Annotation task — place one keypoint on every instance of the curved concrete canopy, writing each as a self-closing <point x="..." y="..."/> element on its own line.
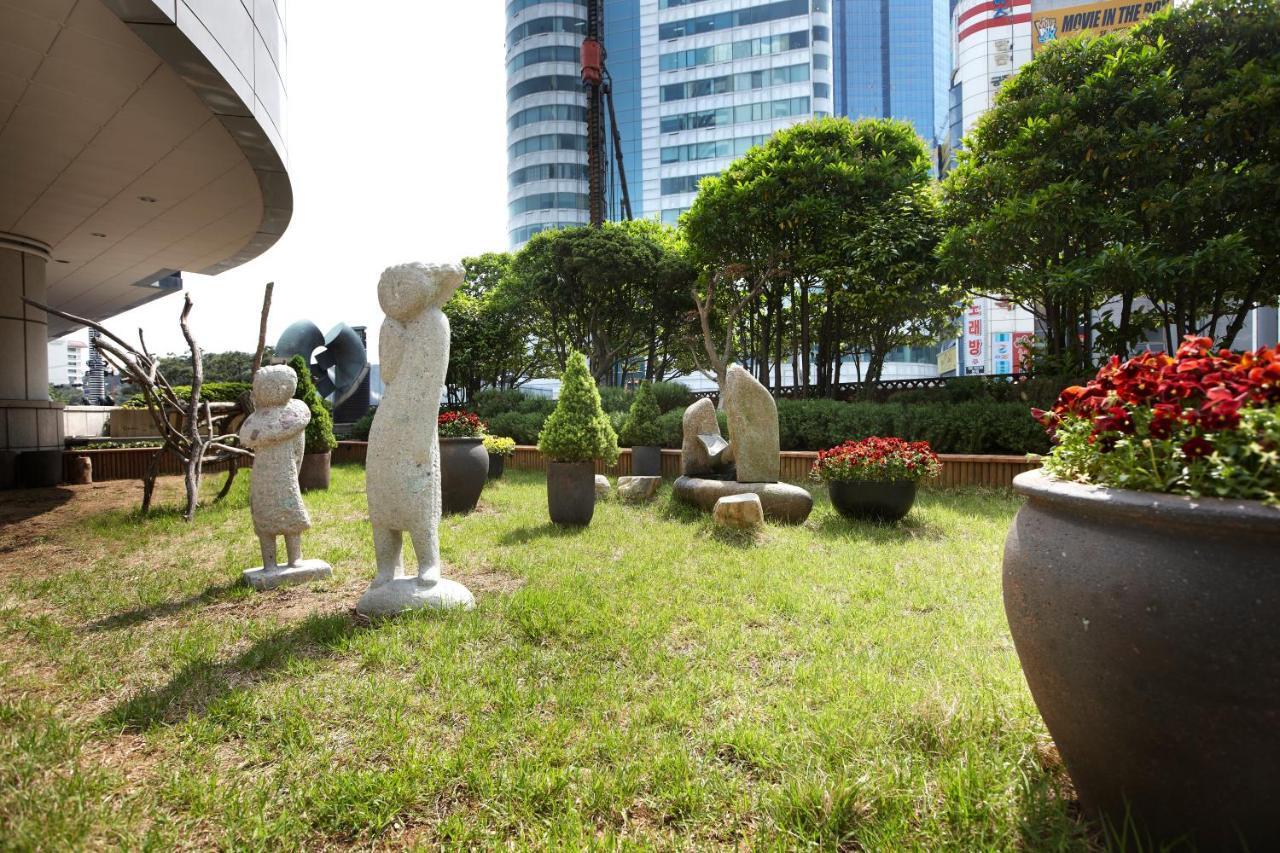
<point x="139" y="138"/>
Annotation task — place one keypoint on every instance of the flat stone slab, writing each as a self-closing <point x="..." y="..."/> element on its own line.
<point x="638" y="489"/>
<point x="307" y="570"/>
<point x="781" y="502"/>
<point x="602" y="487"/>
<point x="739" y="511"/>
<point x="400" y="595"/>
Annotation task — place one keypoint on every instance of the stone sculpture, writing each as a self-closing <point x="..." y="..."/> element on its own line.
<point x="276" y="433"/>
<point x="753" y="427"/>
<point x="403" y="462"/>
<point x="748" y="464"/>
<point x="638" y="489"/>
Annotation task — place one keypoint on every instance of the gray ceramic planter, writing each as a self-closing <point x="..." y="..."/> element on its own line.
<point x="314" y="471"/>
<point x="646" y="461"/>
<point x="1147" y="629"/>
<point x="571" y="492"/>
<point x="464" y="468"/>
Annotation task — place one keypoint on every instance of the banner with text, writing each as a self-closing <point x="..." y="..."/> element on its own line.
<point x="1060" y="19"/>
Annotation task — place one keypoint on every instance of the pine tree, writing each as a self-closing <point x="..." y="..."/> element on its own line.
<point x="640" y="429"/>
<point x="320" y="431"/>
<point x="578" y="430"/>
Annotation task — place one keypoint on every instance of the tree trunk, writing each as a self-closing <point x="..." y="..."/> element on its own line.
<point x="804" y="334"/>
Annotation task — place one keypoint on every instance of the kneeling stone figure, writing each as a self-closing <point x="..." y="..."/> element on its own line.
<point x="276" y="433"/>
<point x="402" y="467"/>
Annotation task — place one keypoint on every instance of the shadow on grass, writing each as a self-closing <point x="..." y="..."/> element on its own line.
<point x="912" y="527"/>
<point x="131" y="618"/>
<point x="525" y="535"/>
<point x="202" y="683"/>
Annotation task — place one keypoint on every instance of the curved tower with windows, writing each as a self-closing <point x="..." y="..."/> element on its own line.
<point x="546" y="117"/>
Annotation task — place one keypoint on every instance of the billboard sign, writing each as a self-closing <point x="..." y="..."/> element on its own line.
<point x="1060" y="19"/>
<point x="975" y="338"/>
<point x="948" y="360"/>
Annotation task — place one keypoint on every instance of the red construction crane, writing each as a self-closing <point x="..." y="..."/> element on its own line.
<point x="599" y="90"/>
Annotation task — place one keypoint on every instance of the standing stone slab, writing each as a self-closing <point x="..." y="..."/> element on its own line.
<point x="753" y="427"/>
<point x="402" y="476"/>
<point x="602" y="487"/>
<point x="699" y="419"/>
<point x="276" y="432"/>
<point x="742" y="512"/>
<point x="638" y="489"/>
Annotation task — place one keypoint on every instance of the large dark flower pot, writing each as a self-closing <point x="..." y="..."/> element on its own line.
<point x="873" y="500"/>
<point x="314" y="471"/>
<point x="497" y="463"/>
<point x="646" y="461"/>
<point x="464" y="467"/>
<point x="1147" y="629"/>
<point x="571" y="492"/>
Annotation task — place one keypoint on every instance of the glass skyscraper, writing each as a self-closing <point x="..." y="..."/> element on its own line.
<point x="698" y="82"/>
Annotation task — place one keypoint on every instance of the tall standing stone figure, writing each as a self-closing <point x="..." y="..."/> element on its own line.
<point x="403" y="462"/>
<point x="276" y="433"/>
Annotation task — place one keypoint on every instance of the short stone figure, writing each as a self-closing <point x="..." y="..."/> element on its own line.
<point x="276" y="433"/>
<point x="402" y="466"/>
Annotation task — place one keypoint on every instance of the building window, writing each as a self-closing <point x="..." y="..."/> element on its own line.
<point x="550" y="83"/>
<point x="728" y="20"/>
<point x="684" y="183"/>
<point x="671" y="216"/>
<point x="548" y="172"/>
<point x="548" y="142"/>
<point x="522" y="234"/>
<point x="541" y="26"/>
<point x="781" y="108"/>
<point x="822" y="90"/>
<point x="710" y="150"/>
<point x="548" y="201"/>
<point x="517" y="6"/>
<point x="763" y="46"/>
<point x="547" y="112"/>
<point x="821" y="33"/>
<point x="821" y="61"/>
<point x="546" y="53"/>
<point x="744" y="82"/>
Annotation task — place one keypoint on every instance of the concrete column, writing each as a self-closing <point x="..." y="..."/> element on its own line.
<point x="28" y="420"/>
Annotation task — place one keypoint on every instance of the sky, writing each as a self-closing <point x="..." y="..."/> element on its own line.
<point x="396" y="132"/>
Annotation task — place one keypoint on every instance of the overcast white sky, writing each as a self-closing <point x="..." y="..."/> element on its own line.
<point x="397" y="147"/>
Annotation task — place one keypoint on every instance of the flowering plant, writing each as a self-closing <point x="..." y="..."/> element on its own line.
<point x="876" y="458"/>
<point x="460" y="425"/>
<point x="1196" y="423"/>
<point x="499" y="445"/>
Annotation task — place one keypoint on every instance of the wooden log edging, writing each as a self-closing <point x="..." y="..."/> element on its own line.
<point x="958" y="469"/>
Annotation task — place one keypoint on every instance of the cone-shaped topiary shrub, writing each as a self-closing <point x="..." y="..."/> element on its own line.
<point x="641" y="429"/>
<point x="578" y="430"/>
<point x="320" y="431"/>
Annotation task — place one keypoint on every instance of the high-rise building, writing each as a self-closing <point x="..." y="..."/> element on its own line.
<point x="698" y="82"/>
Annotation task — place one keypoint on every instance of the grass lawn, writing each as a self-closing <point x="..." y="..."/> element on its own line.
<point x="646" y="681"/>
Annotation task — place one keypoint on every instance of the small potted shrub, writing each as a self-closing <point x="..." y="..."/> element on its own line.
<point x="1141" y="579"/>
<point x="575" y="435"/>
<point x="464" y="462"/>
<point x="641" y="433"/>
<point x="499" y="448"/>
<point x="875" y="478"/>
<point x="320" y="442"/>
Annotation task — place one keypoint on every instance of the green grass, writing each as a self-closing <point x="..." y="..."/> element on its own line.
<point x="644" y="682"/>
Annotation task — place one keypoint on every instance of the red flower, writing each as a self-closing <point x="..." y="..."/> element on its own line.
<point x="1197" y="448"/>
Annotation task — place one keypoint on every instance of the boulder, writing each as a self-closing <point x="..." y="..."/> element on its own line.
<point x="602" y="487"/>
<point x="782" y="502"/>
<point x="753" y="427"/>
<point x="742" y="512"/>
<point x="638" y="489"/>
<point x="699" y="419"/>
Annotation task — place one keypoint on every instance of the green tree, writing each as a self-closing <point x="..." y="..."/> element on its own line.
<point x="230" y="366"/>
<point x="490" y="345"/>
<point x="1135" y="174"/>
<point x="641" y="429"/>
<point x="608" y="292"/>
<point x="578" y="430"/>
<point x="320" y="438"/>
<point x="819" y="242"/>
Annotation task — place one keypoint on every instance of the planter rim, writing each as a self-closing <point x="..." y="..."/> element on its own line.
<point x="899" y="481"/>
<point x="461" y="437"/>
<point x="1150" y="508"/>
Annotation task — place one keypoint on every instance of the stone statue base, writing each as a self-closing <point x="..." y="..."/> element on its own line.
<point x="306" y="570"/>
<point x="780" y="501"/>
<point x="410" y="593"/>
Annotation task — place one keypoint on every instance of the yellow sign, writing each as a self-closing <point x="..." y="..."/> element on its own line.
<point x="1053" y="21"/>
<point x="947" y="360"/>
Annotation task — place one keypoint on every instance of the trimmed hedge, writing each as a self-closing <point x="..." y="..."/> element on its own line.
<point x="214" y="392"/>
<point x="976" y="426"/>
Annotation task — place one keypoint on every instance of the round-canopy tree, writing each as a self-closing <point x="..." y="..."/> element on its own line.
<point x="830" y="227"/>
<point x="1135" y="174"/>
